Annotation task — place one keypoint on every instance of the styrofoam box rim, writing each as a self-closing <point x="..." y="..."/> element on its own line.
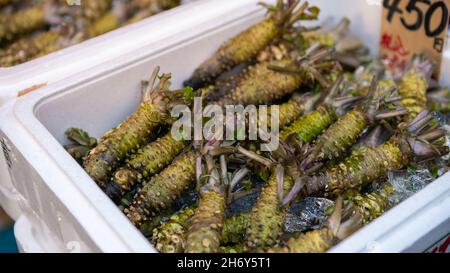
<point x="65" y="62"/>
<point x="88" y="203"/>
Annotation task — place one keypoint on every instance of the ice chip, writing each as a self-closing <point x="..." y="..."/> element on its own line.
<point x="408" y="182"/>
<point x="309" y="213"/>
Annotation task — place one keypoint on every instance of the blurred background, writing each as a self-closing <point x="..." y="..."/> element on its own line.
<point x="7" y="240"/>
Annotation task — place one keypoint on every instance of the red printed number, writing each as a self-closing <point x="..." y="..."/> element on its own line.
<point x="443" y="248"/>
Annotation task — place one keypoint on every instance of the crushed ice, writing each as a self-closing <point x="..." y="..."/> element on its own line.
<point x="408" y="182"/>
<point x="309" y="213"/>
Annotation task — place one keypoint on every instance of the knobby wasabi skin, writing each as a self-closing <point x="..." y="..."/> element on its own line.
<point x="413" y="87"/>
<point x="246" y="45"/>
<point x="169" y="237"/>
<point x="161" y="191"/>
<point x="341" y="135"/>
<point x="124" y="139"/>
<point x="309" y="126"/>
<point x="204" y="232"/>
<point x="261" y="85"/>
<point x="291" y="110"/>
<point x="373" y="204"/>
<point x="233" y="230"/>
<point x="148" y="161"/>
<point x="258" y="84"/>
<point x="367" y="164"/>
<point x="306" y="128"/>
<point x="316" y="241"/>
<point x="362" y="167"/>
<point x="265" y="225"/>
<point x="231" y="249"/>
<point x="223" y="86"/>
<point x="120" y="142"/>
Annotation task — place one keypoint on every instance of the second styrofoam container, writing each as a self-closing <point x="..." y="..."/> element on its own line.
<point x="61" y="206"/>
<point x="69" y="61"/>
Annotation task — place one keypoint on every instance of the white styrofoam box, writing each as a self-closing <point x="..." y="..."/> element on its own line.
<point x="64" y="206"/>
<point x="30" y="240"/>
<point x="7" y="191"/>
<point x="68" y="61"/>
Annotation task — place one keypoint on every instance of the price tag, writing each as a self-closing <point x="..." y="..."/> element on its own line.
<point x="413" y="27"/>
<point x="443" y="246"/>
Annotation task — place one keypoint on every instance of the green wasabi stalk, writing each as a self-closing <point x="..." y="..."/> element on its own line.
<point x="341" y="135"/>
<point x="291" y="110"/>
<point x="373" y="204"/>
<point x="246" y="45"/>
<point x="139" y="16"/>
<point x="413" y="87"/>
<point x="316" y="241"/>
<point x="367" y="164"/>
<point x="237" y="248"/>
<point x="222" y="87"/>
<point x="233" y="231"/>
<point x="311" y="125"/>
<point x="148" y="161"/>
<point x="265" y="226"/>
<point x="163" y="189"/>
<point x="262" y="85"/>
<point x="169" y="236"/>
<point x="362" y="167"/>
<point x="204" y="232"/>
<point x="119" y="143"/>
